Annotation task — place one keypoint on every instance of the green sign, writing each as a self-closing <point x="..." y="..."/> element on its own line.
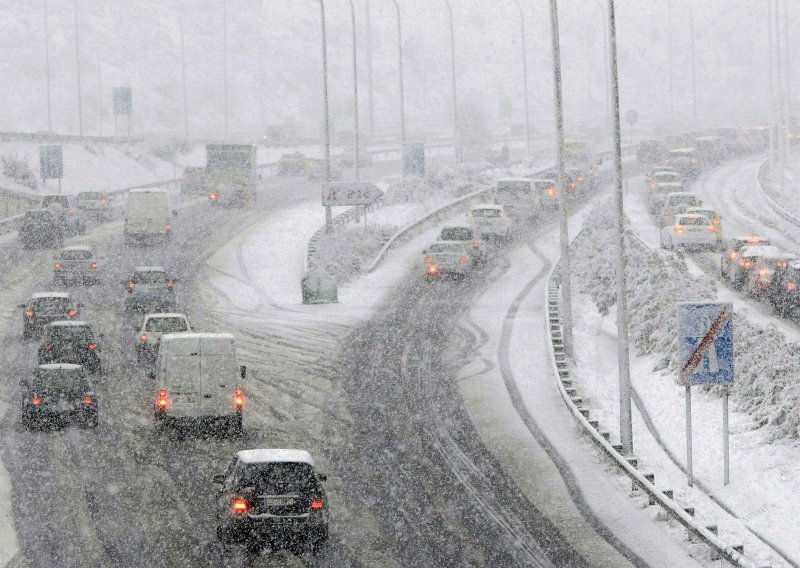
<point x="319" y="287"/>
<point x="51" y="160"/>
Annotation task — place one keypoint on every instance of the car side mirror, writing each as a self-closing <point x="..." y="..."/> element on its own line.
<point x="219" y="478"/>
<point x="174" y="212"/>
<point x="243" y="371"/>
<point x="322" y="477"/>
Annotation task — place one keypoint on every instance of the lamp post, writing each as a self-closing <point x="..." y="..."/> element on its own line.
<point x="609" y="123"/>
<point x="47" y="67"/>
<point x="326" y="117"/>
<point x="400" y="73"/>
<point x="355" y="89"/>
<point x="525" y="79"/>
<point x="78" y="69"/>
<point x="456" y="147"/>
<point x="369" y="69"/>
<point x="566" y="289"/>
<point x="623" y="352"/>
<point x="694" y="68"/>
<point x="183" y="71"/>
<point x="225" y="62"/>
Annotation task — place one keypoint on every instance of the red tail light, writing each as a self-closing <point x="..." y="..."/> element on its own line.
<point x="428" y="260"/>
<point x="790" y="286"/>
<point x="170" y="285"/>
<point x="573" y="185"/>
<point x="48" y="347"/>
<point x="73" y="312"/>
<point x="475" y="243"/>
<point x="240" y="505"/>
<point x="131" y="286"/>
<point x="715" y="220"/>
<point x="93" y="347"/>
<point x="433" y="270"/>
<point x="317" y="504"/>
<point x="143" y="337"/>
<point x="745" y="263"/>
<point x="30" y="313"/>
<point x="88" y="400"/>
<point x="781" y="264"/>
<point x="94" y="266"/>
<point x="57" y="266"/>
<point x="168" y="227"/>
<point x="36" y="401"/>
<point x="551" y="191"/>
<point x="733" y="255"/>
<point x="238" y="399"/>
<point x="712" y="229"/>
<point x="678" y="229"/>
<point x="212" y="196"/>
<point x="653" y="185"/>
<point x="502" y="214"/>
<point x="463" y="260"/>
<point x="762" y="272"/>
<point x="163" y="401"/>
<point x="104" y="201"/>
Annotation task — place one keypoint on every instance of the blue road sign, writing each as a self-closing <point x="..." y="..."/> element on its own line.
<point x="51" y="161"/>
<point x="705" y="343"/>
<point x="122" y="100"/>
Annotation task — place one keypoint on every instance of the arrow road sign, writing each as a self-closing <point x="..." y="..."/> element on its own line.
<point x="705" y="343"/>
<point x="350" y="193"/>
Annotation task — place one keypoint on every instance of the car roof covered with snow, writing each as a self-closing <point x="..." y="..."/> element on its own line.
<point x="38" y="295"/>
<point x="69" y="323"/>
<point x="78" y="247"/>
<point x="275" y="456"/>
<point x="760" y="250"/>
<point x="495" y="206"/>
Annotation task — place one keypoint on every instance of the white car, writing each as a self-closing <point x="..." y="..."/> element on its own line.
<point x="490" y="221"/>
<point x="676" y="203"/>
<point x="658" y="194"/>
<point x="687" y="230"/>
<point x="449" y="257"/>
<point x="711" y="214"/>
<point x="153" y="327"/>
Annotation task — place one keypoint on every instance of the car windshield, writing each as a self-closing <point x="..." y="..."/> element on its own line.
<point x="75" y="255"/>
<point x="59" y="380"/>
<point x="90" y="195"/>
<point x="456" y="234"/>
<point x="69" y="334"/>
<point x="486" y="213"/>
<point x="675" y="200"/>
<point x="278" y="477"/>
<point x="149" y="277"/>
<point x="50" y="305"/>
<point x="54" y="200"/>
<point x="166" y="325"/>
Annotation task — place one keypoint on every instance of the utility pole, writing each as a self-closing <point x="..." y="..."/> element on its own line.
<point x="566" y="289"/>
<point x="785" y="85"/>
<point x="47" y="67"/>
<point x="355" y="90"/>
<point x="771" y="68"/>
<point x="623" y="349"/>
<point x="669" y="56"/>
<point x="78" y="69"/>
<point x="694" y="69"/>
<point x="525" y="80"/>
<point x="610" y="126"/>
<point x="369" y="70"/>
<point x="400" y="73"/>
<point x="779" y="101"/>
<point x="183" y="71"/>
<point x="456" y="142"/>
<point x="99" y="97"/>
<point x="325" y="112"/>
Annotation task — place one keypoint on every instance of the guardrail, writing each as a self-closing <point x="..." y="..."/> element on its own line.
<point x="685" y="515"/>
<point x="780" y="211"/>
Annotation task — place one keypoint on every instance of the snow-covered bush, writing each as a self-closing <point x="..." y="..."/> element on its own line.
<point x="343" y="252"/>
<point x="19" y="170"/>
<point x="767" y="366"/>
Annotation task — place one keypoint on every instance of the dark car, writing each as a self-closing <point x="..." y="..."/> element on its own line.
<point x="70" y="218"/>
<point x="95" y="205"/>
<point x="463" y="233"/>
<point x="729" y="262"/>
<point x="71" y="342"/>
<point x="272" y="498"/>
<point x="193" y="181"/>
<point x="150" y="289"/>
<point x="784" y="294"/>
<point x="41" y="228"/>
<point x="58" y="393"/>
<point x="651" y="152"/>
<point x="43" y="308"/>
<point x="76" y="265"/>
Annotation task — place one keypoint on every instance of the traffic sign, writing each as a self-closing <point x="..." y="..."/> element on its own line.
<point x="122" y="100"/>
<point x="631" y="116"/>
<point x="350" y="193"/>
<point x="705" y="343"/>
<point x="51" y="161"/>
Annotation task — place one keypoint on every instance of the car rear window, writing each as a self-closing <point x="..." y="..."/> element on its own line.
<point x="76" y="254"/>
<point x="166" y="325"/>
<point x="50" y="305"/>
<point x="278" y="478"/>
<point x="486" y="213"/>
<point x="54" y="200"/>
<point x="682" y="200"/>
<point x="72" y="333"/>
<point x="38" y="216"/>
<point x="446" y="247"/>
<point x="456" y="234"/>
<point x="694" y="221"/>
<point x="64" y="380"/>
<point x="90" y="195"/>
<point x="149" y="277"/>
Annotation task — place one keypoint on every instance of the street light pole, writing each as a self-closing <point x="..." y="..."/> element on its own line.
<point x="225" y="62"/>
<point x="400" y="72"/>
<point x="525" y="79"/>
<point x="669" y="56"/>
<point x="609" y="124"/>
<point x="623" y="350"/>
<point x="456" y="146"/>
<point x="326" y="117"/>
<point x="771" y="67"/>
<point x="369" y="70"/>
<point x="566" y="289"/>
<point x="47" y="67"/>
<point x="183" y="72"/>
<point x="694" y="69"/>
<point x="78" y="68"/>
<point x="355" y="89"/>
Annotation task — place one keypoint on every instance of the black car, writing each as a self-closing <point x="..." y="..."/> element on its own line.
<point x="58" y="393"/>
<point x="784" y="292"/>
<point x="71" y="342"/>
<point x="43" y="308"/>
<point x="69" y="217"/>
<point x="272" y="498"/>
<point x="41" y="228"/>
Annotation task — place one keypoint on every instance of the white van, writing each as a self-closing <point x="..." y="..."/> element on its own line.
<point x="148" y="216"/>
<point x="196" y="377"/>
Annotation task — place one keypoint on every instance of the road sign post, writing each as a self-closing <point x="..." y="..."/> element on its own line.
<point x="705" y="357"/>
<point x="122" y="105"/>
<point x="51" y="162"/>
<point x="345" y="193"/>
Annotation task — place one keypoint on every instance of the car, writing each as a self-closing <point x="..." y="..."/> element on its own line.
<point x="571" y="176"/>
<point x="449" y="257"/>
<point x="76" y="265"/>
<point x="546" y="193"/>
<point x="71" y="342"/>
<point x="316" y="170"/>
<point x="230" y="195"/>
<point x="148" y="217"/>
<point x="659" y="169"/>
<point x="95" y="205"/>
<point x="464" y="234"/>
<point x="150" y="289"/>
<point x="41" y="228"/>
<point x="686" y="231"/>
<point x="686" y="161"/>
<point x="675" y="203"/>
<point x="651" y="151"/>
<point x="517" y="196"/>
<point x="665" y="177"/>
<point x="275" y="498"/>
<point x="345" y="159"/>
<point x="730" y="257"/>
<point x="152" y="328"/>
<point x="489" y="220"/>
<point x="294" y="164"/>
<point x="43" y="308"/>
<point x="747" y="260"/>
<point x="193" y="180"/>
<point x="759" y="281"/>
<point x="658" y="194"/>
<point x="711" y="214"/>
<point x="784" y="294"/>
<point x="69" y="217"/>
<point x="56" y="393"/>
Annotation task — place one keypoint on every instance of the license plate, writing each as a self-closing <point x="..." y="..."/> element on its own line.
<point x="64" y="406"/>
<point x="279" y="501"/>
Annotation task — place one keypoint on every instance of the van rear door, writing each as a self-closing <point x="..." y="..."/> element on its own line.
<point x="183" y="377"/>
<point x="218" y="378"/>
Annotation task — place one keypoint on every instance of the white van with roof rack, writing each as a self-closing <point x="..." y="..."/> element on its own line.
<point x="148" y="216"/>
<point x="197" y="378"/>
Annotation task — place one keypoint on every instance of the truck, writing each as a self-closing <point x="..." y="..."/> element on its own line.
<point x="230" y="176"/>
